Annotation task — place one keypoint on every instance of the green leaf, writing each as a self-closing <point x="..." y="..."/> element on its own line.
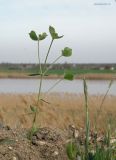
<point x="68" y="76"/>
<point x="51" y="30"/>
<point x="33" y="36"/>
<point x="71" y="150"/>
<point x="34" y="129"/>
<point x="37" y="74"/>
<point x="55" y="36"/>
<point x="67" y="52"/>
<point x="31" y="132"/>
<point x="53" y="33"/>
<point x="45" y="101"/>
<point x="42" y="36"/>
<point x="33" y="108"/>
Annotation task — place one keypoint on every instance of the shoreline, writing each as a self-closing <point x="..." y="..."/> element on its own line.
<point x="89" y="76"/>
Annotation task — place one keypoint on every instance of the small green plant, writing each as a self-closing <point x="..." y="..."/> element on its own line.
<point x="87" y="122"/>
<point x="82" y="153"/>
<point x="42" y="71"/>
<point x="99" y="111"/>
<point x="71" y="150"/>
<point x="92" y="150"/>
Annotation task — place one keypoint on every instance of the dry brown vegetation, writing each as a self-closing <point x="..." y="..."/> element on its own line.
<point x="64" y="109"/>
<point x="97" y="76"/>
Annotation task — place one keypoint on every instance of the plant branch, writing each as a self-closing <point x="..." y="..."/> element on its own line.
<point x="48" y="51"/>
<point x="41" y="73"/>
<point x="102" y="102"/>
<point x="47" y="69"/>
<point x="53" y="86"/>
<point x="40" y="67"/>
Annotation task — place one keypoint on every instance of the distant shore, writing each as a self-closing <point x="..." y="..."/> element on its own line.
<point x="90" y="76"/>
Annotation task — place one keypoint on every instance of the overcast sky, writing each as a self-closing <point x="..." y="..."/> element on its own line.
<point x="90" y="30"/>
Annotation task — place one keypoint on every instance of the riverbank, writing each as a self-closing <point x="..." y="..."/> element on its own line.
<point x="89" y="76"/>
<point x="60" y="111"/>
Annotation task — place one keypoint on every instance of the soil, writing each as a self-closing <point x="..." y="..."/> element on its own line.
<point x="46" y="144"/>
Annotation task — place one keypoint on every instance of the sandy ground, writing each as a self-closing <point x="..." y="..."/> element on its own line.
<point x="62" y="110"/>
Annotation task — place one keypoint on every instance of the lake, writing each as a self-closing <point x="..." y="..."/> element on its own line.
<point x="75" y="86"/>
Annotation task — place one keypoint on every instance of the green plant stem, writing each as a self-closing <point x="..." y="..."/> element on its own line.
<point x="101" y="105"/>
<point x="39" y="95"/>
<point x="41" y="78"/>
<point x="41" y="73"/>
<point x="40" y="67"/>
<point x="87" y="124"/>
<point x="53" y="86"/>
<point x="48" y="51"/>
<point x="100" y="108"/>
<point x="47" y="69"/>
<point x="40" y="86"/>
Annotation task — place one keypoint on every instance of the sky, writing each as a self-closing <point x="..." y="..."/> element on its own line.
<point x="89" y="29"/>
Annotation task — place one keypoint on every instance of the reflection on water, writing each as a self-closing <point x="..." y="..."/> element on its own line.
<point x="75" y="86"/>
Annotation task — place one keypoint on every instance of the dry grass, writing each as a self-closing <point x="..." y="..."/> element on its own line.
<point x="97" y="76"/>
<point x="64" y="109"/>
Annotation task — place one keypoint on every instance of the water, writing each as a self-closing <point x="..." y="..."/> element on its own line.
<point x="75" y="86"/>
